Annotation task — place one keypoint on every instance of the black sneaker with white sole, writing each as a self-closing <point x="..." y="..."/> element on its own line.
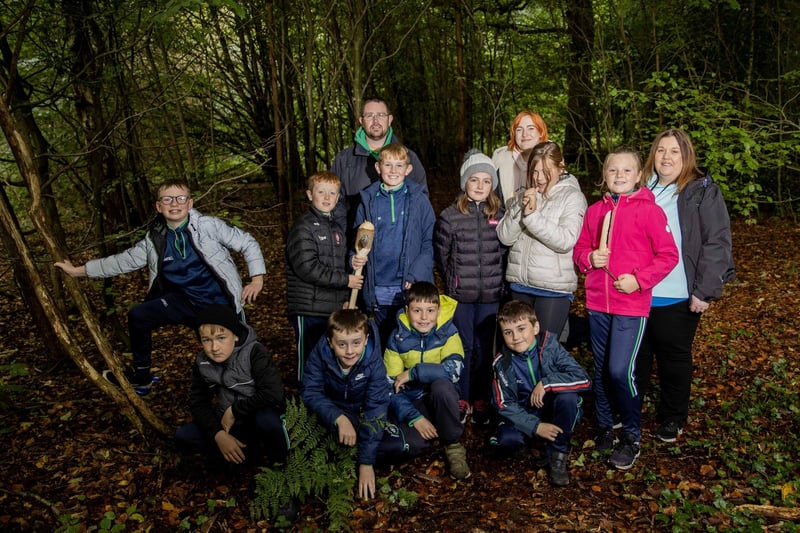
<point x="669" y="432"/>
<point x="625" y="453"/>
<point x="605" y="440"/>
<point x="140" y="381"/>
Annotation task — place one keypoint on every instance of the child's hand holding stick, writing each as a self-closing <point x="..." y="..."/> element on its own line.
<point x="600" y="256"/>
<point x="364" y="237"/>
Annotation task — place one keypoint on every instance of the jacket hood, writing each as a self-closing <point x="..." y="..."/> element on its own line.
<point x="447" y="309"/>
<point x="567" y="180"/>
<point x="249" y="337"/>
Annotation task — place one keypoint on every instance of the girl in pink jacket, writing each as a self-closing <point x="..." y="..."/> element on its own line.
<point x="625" y="248"/>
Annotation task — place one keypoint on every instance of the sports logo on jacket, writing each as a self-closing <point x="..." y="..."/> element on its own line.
<point x="502" y="377"/>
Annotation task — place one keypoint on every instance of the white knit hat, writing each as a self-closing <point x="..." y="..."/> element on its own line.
<point x="476" y="161"/>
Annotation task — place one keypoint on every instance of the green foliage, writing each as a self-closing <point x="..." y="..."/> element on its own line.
<point x="396" y="496"/>
<point x="739" y="147"/>
<point x="68" y="524"/>
<point x="767" y="467"/>
<point x="317" y="466"/>
<point x="187" y="524"/>
<point x="109" y="523"/>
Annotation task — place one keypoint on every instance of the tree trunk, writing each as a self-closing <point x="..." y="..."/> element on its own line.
<point x="129" y="403"/>
<point x="284" y="196"/>
<point x="461" y="85"/>
<point x="578" y="150"/>
<point x="25" y="283"/>
<point x="19" y="101"/>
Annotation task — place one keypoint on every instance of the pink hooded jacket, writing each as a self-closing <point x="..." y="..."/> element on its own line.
<point x="639" y="242"/>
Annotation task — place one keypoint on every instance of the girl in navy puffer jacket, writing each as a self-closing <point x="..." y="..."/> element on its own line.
<point x="470" y="258"/>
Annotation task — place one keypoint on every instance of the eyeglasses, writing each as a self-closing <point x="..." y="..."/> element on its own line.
<point x="370" y="116"/>
<point x="166" y="200"/>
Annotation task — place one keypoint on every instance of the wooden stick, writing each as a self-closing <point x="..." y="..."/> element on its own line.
<point x="364" y="237"/>
<point x="604" y="232"/>
<point x="604" y="239"/>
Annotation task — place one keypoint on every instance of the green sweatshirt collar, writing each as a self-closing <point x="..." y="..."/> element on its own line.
<point x="361" y="139"/>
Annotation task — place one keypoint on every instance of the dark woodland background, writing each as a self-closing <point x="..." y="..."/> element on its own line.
<point x="101" y="100"/>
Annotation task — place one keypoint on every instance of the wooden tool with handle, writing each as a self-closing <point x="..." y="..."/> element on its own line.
<point x="364" y="237"/>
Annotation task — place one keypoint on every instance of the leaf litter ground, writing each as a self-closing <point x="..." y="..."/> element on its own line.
<point x="67" y="452"/>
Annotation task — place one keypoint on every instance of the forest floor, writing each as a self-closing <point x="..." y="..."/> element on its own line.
<point x="71" y="462"/>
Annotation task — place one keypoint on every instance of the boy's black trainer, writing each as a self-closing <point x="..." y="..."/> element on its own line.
<point x="140" y="381"/>
<point x="605" y="440"/>
<point x="626" y="452"/>
<point x="669" y="432"/>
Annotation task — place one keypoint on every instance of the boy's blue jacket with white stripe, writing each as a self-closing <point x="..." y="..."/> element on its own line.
<point x="513" y="382"/>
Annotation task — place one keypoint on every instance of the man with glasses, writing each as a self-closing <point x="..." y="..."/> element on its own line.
<point x="355" y="165"/>
<point x="190" y="268"/>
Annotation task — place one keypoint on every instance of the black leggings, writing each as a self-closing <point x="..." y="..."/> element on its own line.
<point x="552" y="312"/>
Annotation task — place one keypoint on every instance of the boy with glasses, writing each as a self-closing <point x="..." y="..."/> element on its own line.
<point x="190" y="267"/>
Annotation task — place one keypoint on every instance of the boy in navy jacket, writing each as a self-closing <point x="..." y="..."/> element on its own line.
<point x="402" y="251"/>
<point x="345" y="385"/>
<point x="536" y="386"/>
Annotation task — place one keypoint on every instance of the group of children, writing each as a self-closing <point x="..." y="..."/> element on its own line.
<point x="398" y="381"/>
<point x="438" y="348"/>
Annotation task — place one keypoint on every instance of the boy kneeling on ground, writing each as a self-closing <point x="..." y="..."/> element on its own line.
<point x="536" y="386"/>
<point x="345" y="385"/>
<point x="425" y="357"/>
<point x="237" y="396"/>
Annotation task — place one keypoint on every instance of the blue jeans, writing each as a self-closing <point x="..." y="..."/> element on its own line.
<point x="615" y="343"/>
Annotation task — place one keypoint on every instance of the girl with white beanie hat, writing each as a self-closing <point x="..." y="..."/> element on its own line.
<point x="470" y="259"/>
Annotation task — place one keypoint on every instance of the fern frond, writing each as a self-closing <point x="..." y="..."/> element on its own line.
<point x="317" y="465"/>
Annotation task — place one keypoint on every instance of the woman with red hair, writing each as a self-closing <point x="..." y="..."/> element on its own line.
<point x="527" y="130"/>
